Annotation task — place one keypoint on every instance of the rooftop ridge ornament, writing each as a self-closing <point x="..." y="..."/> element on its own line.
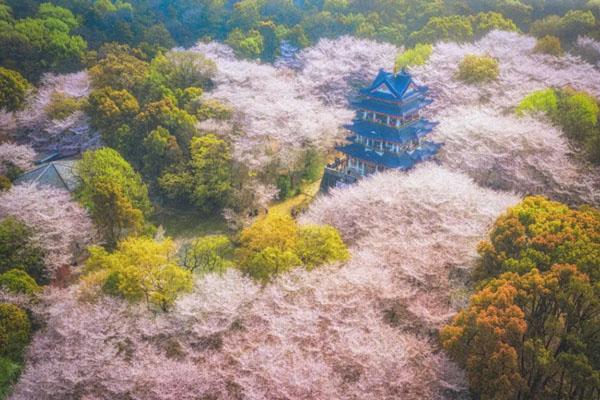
<point x="388" y="132"/>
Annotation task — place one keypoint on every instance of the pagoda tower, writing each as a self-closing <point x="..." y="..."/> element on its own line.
<point x="388" y="131"/>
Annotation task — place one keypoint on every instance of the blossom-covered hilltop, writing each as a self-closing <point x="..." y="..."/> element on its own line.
<point x="163" y="235"/>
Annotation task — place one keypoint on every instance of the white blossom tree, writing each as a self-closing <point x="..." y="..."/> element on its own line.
<point x="71" y="134"/>
<point x="361" y="330"/>
<point x="61" y="226"/>
<point x="20" y="156"/>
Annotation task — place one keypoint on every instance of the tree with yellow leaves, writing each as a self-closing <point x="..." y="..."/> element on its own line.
<point x="531" y="329"/>
<point x="275" y="244"/>
<point x="139" y="269"/>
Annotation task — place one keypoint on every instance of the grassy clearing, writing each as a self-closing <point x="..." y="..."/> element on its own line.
<point x="185" y="224"/>
<point x="299" y="201"/>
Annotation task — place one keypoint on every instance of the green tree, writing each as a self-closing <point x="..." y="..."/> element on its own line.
<point x="140" y="269"/>
<point x="18" y="250"/>
<point x="207" y="182"/>
<point x="15" y="331"/>
<point x="413" y="57"/>
<point x="245" y="15"/>
<point x="475" y="69"/>
<point x="577" y="114"/>
<point x="165" y="113"/>
<point x="549" y="45"/>
<point x="9" y="373"/>
<point x="42" y="43"/>
<point x="576" y="23"/>
<point x="540" y="101"/>
<point x="248" y="45"/>
<point x="312" y="165"/>
<point x="275" y="244"/>
<point x="184" y="69"/>
<point x="5" y="183"/>
<point x="112" y="113"/>
<point x="573" y="24"/>
<point x="538" y="233"/>
<point x="275" y="230"/>
<point x="211" y="164"/>
<point x="454" y="28"/>
<point x="13" y="90"/>
<point x="207" y="254"/>
<point x="319" y="245"/>
<point x="486" y="22"/>
<point x="160" y="150"/>
<point x="270" y="262"/>
<point x="113" y="193"/>
<point x="271" y="41"/>
<point x="62" y="106"/>
<point x="18" y="281"/>
<point x="119" y="70"/>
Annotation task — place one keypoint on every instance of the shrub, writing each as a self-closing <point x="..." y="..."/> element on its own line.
<point x="5" y="183"/>
<point x="549" y="45"/>
<point x="13" y="90"/>
<point x="19" y="251"/>
<point x="62" y="106"/>
<point x="544" y="101"/>
<point x="15" y="331"/>
<point x="9" y="372"/>
<point x="478" y="69"/>
<point x="577" y="114"/>
<point x="413" y="57"/>
<point x="18" y="281"/>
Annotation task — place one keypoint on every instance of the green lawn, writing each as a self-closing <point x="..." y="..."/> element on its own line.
<point x="186" y="224"/>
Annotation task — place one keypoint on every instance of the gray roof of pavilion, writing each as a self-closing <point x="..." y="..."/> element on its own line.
<point x="58" y="174"/>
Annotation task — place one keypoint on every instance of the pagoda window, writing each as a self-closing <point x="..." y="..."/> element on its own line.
<point x="380" y="118"/>
<point x="392" y="122"/>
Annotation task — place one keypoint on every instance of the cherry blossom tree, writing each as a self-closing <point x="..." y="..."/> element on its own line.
<point x="62" y="227"/>
<point x="20" y="156"/>
<point x="360" y="330"/>
<point x="486" y="140"/>
<point x="68" y="135"/>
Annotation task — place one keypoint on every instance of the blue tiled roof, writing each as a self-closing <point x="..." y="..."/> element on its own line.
<point x="403" y="160"/>
<point x="404" y="134"/>
<point x="391" y="108"/>
<point x="397" y="85"/>
<point x="396" y="161"/>
<point x="58" y="174"/>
